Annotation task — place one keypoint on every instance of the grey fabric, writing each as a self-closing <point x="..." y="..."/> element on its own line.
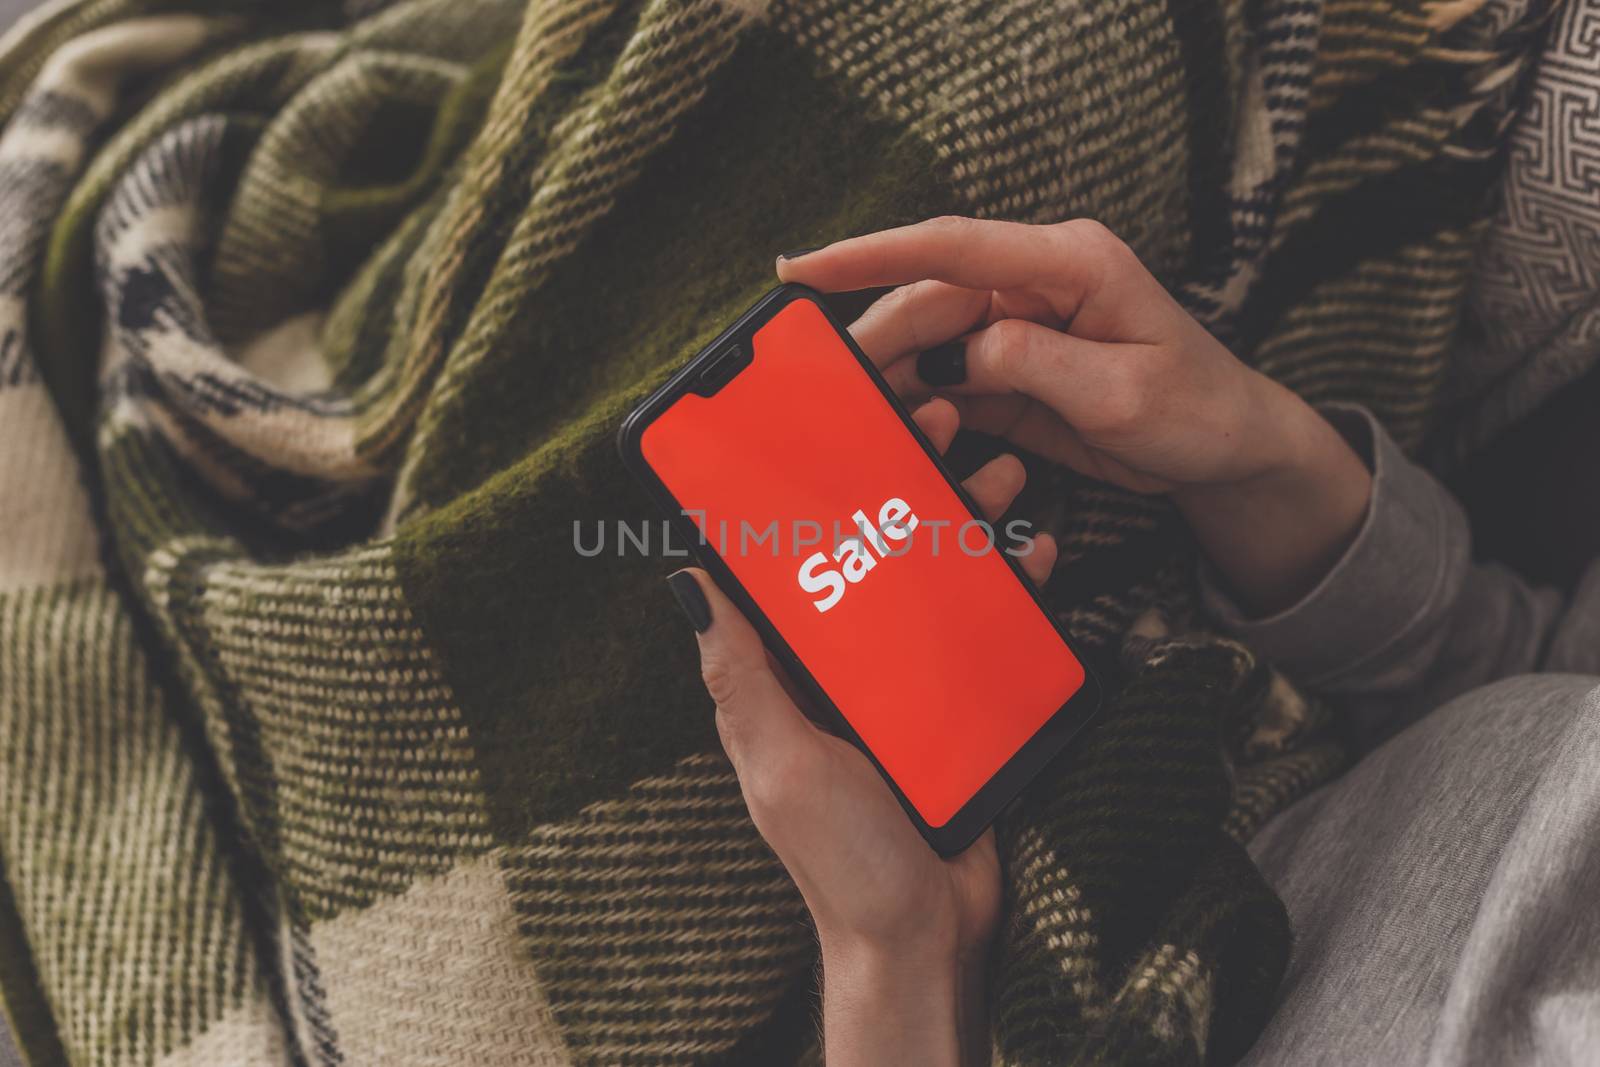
<point x="1406" y="620"/>
<point x="1445" y="893"/>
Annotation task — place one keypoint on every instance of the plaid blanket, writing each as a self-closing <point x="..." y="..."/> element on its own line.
<point x="320" y="744"/>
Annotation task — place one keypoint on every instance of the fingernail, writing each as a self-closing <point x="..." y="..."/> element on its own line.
<point x="686" y="591"/>
<point x="796" y="253"/>
<point x="945" y="365"/>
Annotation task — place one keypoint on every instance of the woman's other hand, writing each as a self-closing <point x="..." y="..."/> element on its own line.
<point x="1057" y="338"/>
<point x="904" y="934"/>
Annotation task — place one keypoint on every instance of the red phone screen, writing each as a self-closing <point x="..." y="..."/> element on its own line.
<point x="918" y="631"/>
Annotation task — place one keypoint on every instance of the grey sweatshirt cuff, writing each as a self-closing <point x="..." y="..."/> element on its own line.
<point x="1378" y="600"/>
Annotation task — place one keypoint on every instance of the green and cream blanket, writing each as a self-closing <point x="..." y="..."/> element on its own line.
<point x="319" y="744"/>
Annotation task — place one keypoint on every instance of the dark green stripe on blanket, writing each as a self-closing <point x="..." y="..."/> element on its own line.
<point x="544" y="666"/>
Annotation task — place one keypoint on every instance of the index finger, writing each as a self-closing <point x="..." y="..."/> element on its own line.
<point x="971" y="253"/>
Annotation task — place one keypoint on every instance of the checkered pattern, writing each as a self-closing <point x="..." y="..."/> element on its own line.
<point x="318" y="745"/>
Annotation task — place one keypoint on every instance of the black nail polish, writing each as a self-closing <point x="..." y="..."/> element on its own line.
<point x="689" y="597"/>
<point x="796" y="253"/>
<point x="945" y="365"/>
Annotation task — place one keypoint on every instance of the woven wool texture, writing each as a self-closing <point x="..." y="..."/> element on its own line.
<point x="1537" y="276"/>
<point x="318" y="742"/>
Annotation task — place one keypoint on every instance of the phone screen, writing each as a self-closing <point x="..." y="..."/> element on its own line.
<point x="803" y="477"/>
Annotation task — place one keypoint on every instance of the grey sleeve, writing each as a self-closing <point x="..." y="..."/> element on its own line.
<point x="1406" y="617"/>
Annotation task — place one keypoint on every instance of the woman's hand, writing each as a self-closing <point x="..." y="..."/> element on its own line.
<point x="1064" y="344"/>
<point x="904" y="933"/>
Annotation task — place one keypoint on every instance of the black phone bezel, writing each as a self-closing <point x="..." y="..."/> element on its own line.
<point x="990" y="799"/>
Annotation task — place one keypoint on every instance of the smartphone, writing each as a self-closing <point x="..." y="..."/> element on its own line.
<point x="783" y="459"/>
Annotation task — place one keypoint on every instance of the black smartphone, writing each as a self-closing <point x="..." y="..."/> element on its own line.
<point x="822" y="511"/>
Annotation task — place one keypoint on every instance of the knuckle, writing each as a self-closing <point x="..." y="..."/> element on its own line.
<point x="1094" y="239"/>
<point x="953" y="226"/>
<point x="1012" y="346"/>
<point x="1091" y="233"/>
<point x="721" y="678"/>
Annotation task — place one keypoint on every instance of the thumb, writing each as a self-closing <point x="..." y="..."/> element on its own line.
<point x="758" y="722"/>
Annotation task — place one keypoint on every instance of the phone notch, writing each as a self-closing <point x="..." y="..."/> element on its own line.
<point x="723" y="368"/>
